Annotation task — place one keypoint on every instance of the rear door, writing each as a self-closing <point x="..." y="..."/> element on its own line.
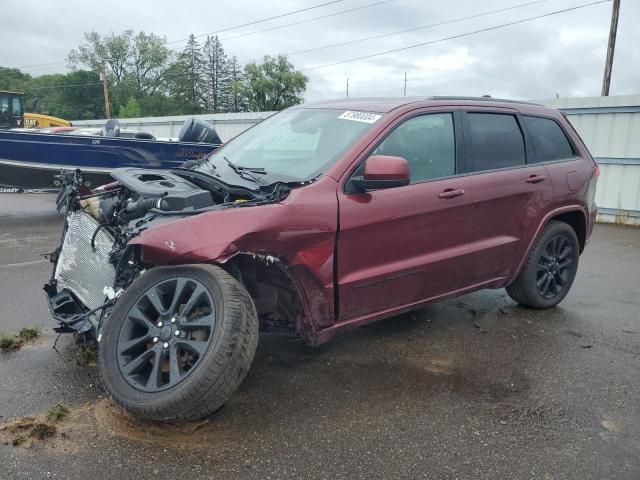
<point x="509" y="193"/>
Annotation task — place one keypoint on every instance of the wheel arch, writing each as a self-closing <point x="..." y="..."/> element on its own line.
<point x="278" y="294"/>
<point x="574" y="216"/>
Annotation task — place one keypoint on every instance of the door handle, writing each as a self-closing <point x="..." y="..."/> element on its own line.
<point x="451" y="193"/>
<point x="536" y="179"/>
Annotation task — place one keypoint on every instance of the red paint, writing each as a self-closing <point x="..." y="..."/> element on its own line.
<point x="381" y="252"/>
<point x="384" y="167"/>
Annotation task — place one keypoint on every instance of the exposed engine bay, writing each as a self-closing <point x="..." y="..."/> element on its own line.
<point x="94" y="263"/>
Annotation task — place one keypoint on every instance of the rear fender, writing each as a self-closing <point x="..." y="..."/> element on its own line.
<point x="547" y="218"/>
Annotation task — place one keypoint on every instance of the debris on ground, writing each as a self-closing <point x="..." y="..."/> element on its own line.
<point x="479" y="327"/>
<point x="87" y="355"/>
<point x="24" y="431"/>
<point x="14" y="342"/>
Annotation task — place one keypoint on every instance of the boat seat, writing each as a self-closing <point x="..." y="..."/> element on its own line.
<point x="144" y="136"/>
<point x="111" y="128"/>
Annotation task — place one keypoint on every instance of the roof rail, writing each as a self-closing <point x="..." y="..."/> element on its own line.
<point x="483" y="99"/>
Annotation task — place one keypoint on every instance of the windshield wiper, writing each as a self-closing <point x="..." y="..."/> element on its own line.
<point x="246" y="172"/>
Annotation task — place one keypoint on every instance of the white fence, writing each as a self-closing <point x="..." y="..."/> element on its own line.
<point x="610" y="126"/>
<point x="228" y="125"/>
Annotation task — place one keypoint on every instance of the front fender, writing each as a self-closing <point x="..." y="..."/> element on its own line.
<point x="299" y="231"/>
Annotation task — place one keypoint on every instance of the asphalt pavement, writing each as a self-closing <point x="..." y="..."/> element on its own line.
<point x="476" y="387"/>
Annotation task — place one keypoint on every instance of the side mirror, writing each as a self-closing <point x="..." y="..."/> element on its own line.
<point x="382" y="171"/>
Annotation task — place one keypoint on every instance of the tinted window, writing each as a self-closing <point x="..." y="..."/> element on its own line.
<point x="427" y="143"/>
<point x="496" y="142"/>
<point x="16" y="105"/>
<point x="4" y="103"/>
<point x="548" y="139"/>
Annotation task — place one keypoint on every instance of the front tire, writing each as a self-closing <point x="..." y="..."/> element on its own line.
<point x="178" y="343"/>
<point x="550" y="268"/>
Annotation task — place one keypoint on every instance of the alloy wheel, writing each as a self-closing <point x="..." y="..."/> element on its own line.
<point x="553" y="274"/>
<point x="166" y="334"/>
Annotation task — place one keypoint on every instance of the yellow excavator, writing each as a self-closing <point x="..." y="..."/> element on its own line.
<point x="12" y="114"/>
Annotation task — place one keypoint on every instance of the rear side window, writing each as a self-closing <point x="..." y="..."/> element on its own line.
<point x="549" y="141"/>
<point x="496" y="142"/>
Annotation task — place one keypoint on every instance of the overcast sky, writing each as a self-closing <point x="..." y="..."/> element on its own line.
<point x="562" y="54"/>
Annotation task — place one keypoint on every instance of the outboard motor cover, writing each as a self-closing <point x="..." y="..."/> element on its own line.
<point x="194" y="130"/>
<point x="111" y="128"/>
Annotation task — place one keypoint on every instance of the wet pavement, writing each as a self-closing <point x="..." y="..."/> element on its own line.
<point x="475" y="387"/>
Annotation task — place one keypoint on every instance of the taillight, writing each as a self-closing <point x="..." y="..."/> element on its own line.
<point x="596" y="171"/>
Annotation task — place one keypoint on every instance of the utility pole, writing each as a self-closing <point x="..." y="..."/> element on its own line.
<point x="105" y="85"/>
<point x="347" y="87"/>
<point x="405" y="84"/>
<point x="606" y="81"/>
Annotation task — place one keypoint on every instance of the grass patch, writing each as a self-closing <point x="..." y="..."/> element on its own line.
<point x="13" y="342"/>
<point x="7" y="341"/>
<point x="29" y="333"/>
<point x="57" y="413"/>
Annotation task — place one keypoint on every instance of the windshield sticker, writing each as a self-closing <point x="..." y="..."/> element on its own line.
<point x="365" y="117"/>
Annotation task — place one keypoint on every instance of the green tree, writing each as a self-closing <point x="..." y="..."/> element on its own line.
<point x="237" y="101"/>
<point x="96" y="52"/>
<point x="273" y="85"/>
<point x="216" y="76"/>
<point x="187" y="78"/>
<point x="149" y="62"/>
<point x="13" y="79"/>
<point x="75" y="95"/>
<point x="130" y="110"/>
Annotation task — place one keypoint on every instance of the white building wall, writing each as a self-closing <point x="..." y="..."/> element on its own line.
<point x="610" y="127"/>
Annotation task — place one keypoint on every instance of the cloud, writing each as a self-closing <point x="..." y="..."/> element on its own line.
<point x="561" y="54"/>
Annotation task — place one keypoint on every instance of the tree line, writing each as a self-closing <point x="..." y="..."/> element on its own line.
<point x="147" y="78"/>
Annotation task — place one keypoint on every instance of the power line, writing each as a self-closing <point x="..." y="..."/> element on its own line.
<point x="423" y="27"/>
<point x="221" y="31"/>
<point x="342" y="12"/>
<point x="172" y="77"/>
<point x="377" y="54"/>
<point x="259" y="21"/>
<point x="64" y="86"/>
<point x="31" y="66"/>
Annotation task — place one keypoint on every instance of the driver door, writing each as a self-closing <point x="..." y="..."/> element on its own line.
<point x="399" y="246"/>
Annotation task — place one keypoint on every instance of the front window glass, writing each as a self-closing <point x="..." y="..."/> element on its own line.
<point x="4" y="103"/>
<point x="426" y="143"/>
<point x="16" y="106"/>
<point x="297" y="144"/>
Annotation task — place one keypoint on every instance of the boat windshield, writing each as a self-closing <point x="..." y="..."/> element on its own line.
<point x="297" y="144"/>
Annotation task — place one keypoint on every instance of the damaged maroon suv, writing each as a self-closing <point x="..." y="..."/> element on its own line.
<point x="324" y="216"/>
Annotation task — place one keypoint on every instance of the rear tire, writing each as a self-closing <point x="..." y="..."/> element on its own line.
<point x="550" y="269"/>
<point x="178" y="343"/>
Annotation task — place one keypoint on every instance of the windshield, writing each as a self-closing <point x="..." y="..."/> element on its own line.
<point x="297" y="144"/>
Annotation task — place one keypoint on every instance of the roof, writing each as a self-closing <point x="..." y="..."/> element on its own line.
<point x="387" y="104"/>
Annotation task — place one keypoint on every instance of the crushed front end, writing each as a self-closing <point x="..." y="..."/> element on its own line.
<point x="95" y="261"/>
<point x="93" y="264"/>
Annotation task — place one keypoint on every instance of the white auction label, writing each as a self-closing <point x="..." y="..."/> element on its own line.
<point x="366" y="117"/>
